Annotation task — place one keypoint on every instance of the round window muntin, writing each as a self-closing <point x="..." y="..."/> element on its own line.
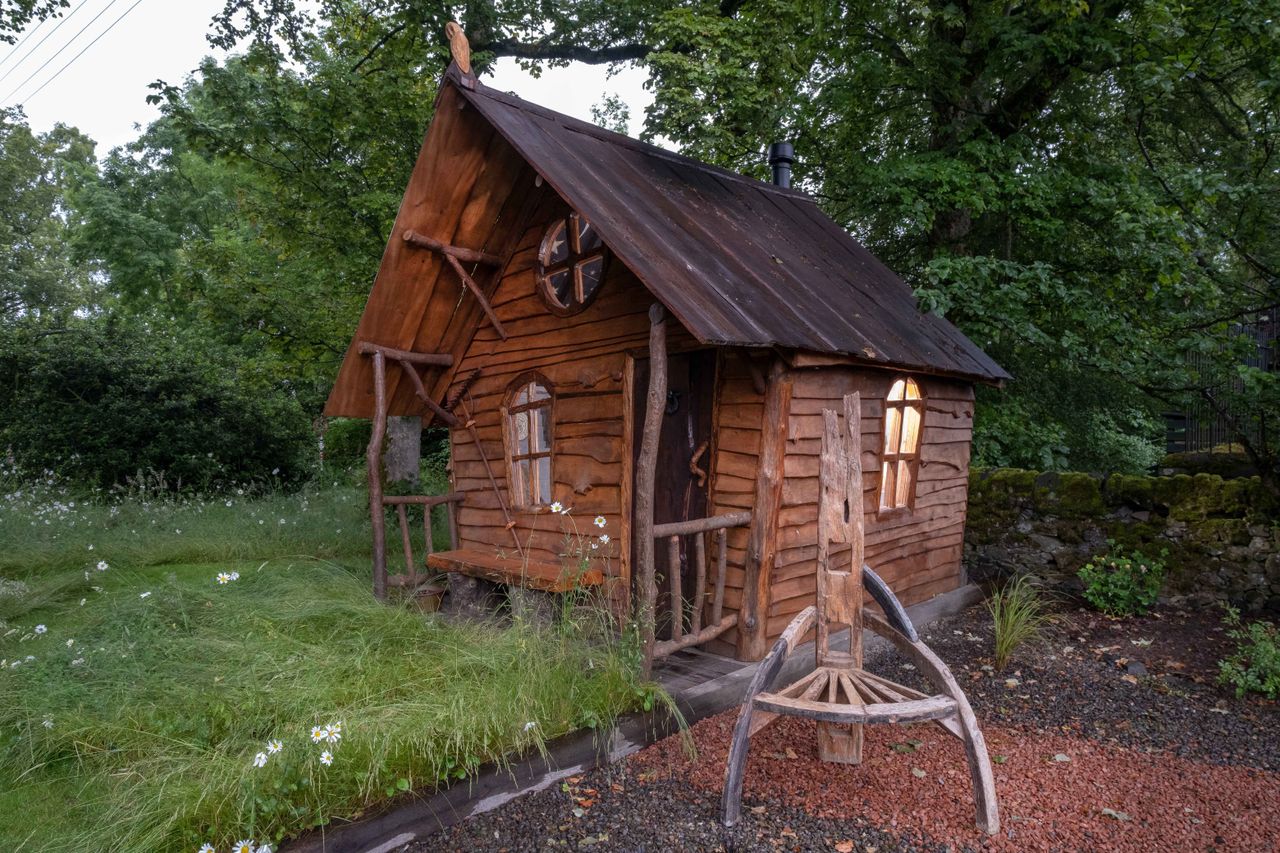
<point x="572" y="263"/>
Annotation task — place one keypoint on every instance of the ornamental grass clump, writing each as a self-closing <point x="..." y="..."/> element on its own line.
<point x="1254" y="667"/>
<point x="1017" y="615"/>
<point x="1122" y="584"/>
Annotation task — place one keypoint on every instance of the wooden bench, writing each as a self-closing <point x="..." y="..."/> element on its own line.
<point x="513" y="571"/>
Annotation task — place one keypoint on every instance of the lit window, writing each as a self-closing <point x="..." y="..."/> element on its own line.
<point x="903" y="420"/>
<point x="571" y="264"/>
<point x="528" y="439"/>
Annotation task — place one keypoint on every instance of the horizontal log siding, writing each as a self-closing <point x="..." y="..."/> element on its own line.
<point x="583" y="356"/>
<point x="917" y="553"/>
<point x="736" y="448"/>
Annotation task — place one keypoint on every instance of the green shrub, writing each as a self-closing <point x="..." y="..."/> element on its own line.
<point x="1017" y="615"/>
<point x="99" y="401"/>
<point x="345" y="442"/>
<point x="1254" y="667"/>
<point x="1121" y="585"/>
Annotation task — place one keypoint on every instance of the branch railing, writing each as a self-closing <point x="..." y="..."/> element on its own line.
<point x="718" y="623"/>
<point x="411" y="578"/>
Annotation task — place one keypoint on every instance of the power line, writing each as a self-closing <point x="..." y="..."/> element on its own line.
<point x="58" y="74"/>
<point x="68" y="44"/>
<point x="45" y="39"/>
<point x="23" y="40"/>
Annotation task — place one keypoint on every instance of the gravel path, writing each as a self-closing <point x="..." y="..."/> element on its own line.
<point x="1112" y="736"/>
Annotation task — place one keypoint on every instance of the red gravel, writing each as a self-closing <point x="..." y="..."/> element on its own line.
<point x="1161" y="801"/>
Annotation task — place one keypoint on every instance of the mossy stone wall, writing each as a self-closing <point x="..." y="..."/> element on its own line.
<point x="1222" y="535"/>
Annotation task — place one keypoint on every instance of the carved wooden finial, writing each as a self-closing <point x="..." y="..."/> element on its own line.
<point x="459" y="46"/>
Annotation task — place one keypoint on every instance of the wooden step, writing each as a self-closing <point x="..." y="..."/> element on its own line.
<point x="532" y="574"/>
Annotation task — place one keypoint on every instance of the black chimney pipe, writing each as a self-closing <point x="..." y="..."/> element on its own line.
<point x="781" y="156"/>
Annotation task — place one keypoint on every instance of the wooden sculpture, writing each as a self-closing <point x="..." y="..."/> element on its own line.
<point x="839" y="694"/>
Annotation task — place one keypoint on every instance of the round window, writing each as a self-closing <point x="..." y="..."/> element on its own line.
<point x="571" y="265"/>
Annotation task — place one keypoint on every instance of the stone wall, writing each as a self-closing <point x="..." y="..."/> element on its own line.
<point x="1222" y="536"/>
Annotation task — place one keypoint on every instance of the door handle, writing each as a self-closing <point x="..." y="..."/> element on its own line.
<point x="693" y="465"/>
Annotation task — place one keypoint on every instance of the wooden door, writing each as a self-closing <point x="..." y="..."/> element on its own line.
<point x="681" y="480"/>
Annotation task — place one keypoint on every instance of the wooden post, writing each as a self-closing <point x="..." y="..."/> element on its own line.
<point x="426" y="530"/>
<point x="700" y="584"/>
<point x="373" y="461"/>
<point x="655" y="405"/>
<point x="753" y="624"/>
<point x="857" y="521"/>
<point x="402" y="514"/>
<point x="722" y="562"/>
<point x="677" y="593"/>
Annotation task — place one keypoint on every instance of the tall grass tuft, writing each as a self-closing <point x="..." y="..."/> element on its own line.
<point x="150" y="688"/>
<point x="1018" y="617"/>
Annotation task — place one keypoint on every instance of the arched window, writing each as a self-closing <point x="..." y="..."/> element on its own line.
<point x="527" y="422"/>
<point x="571" y="264"/>
<point x="903" y="423"/>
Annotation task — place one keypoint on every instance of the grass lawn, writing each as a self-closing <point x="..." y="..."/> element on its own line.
<point x="134" y="700"/>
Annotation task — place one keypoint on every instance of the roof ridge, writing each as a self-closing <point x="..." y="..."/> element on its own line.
<point x="620" y="139"/>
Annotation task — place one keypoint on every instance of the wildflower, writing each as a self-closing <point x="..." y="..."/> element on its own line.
<point x="317" y="734"/>
<point x="206" y="848"/>
<point x="244" y="846"/>
<point x="274" y="746"/>
<point x="48" y="722"/>
<point x="40" y="629"/>
<point x="144" y="594"/>
<point x="595" y="546"/>
<point x="70" y="643"/>
<point x="78" y="662"/>
<point x="102" y="566"/>
<point x="604" y="538"/>
<point x="260" y="760"/>
<point x="326" y="758"/>
<point x="224" y="578"/>
<point x="265" y="848"/>
<point x="530" y="725"/>
<point x="557" y="507"/>
<point x="90" y="547"/>
<point x="228" y="503"/>
<point x="600" y="521"/>
<point x="333" y="732"/>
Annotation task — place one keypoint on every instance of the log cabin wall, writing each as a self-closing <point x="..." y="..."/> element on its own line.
<point x="585" y="357"/>
<point x="735" y="463"/>
<point x="918" y="552"/>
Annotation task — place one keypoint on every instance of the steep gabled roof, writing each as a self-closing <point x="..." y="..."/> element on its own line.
<point x="738" y="261"/>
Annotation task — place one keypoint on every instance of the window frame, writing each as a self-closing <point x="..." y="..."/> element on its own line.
<point x="575" y="258"/>
<point x="897" y="456"/>
<point x="511" y="441"/>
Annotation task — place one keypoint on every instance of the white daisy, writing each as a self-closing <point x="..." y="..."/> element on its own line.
<point x="40" y="629"/>
<point x="245" y="846"/>
<point x="604" y="538"/>
<point x="48" y="722"/>
<point x="326" y="758"/>
<point x="557" y="507"/>
<point x="264" y="848"/>
<point x="102" y="566"/>
<point x="529" y="725"/>
<point x="333" y="732"/>
<point x="600" y="521"/>
<point x="144" y="594"/>
<point x="235" y="576"/>
<point x="274" y="746"/>
<point x="317" y="734"/>
<point x="224" y="578"/>
<point x="70" y="643"/>
<point x="206" y="848"/>
<point x="260" y="760"/>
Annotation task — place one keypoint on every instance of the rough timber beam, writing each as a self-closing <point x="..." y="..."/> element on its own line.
<point x="473" y="256"/>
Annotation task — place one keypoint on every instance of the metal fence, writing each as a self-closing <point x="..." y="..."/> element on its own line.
<point x="1200" y="428"/>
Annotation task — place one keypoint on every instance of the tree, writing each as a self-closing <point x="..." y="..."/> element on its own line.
<point x="38" y="277"/>
<point x="17" y="15"/>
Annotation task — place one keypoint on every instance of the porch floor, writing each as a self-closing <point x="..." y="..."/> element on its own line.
<point x="690" y="668"/>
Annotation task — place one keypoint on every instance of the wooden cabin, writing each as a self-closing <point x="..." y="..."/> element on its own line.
<point x="646" y="338"/>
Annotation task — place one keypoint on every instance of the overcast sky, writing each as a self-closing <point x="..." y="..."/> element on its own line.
<point x="103" y="90"/>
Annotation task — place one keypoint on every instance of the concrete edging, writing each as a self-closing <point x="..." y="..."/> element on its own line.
<point x="579" y="752"/>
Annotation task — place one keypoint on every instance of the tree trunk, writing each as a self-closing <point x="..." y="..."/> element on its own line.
<point x="403" y="452"/>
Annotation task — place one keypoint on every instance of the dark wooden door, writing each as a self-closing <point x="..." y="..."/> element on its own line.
<point x="680" y="491"/>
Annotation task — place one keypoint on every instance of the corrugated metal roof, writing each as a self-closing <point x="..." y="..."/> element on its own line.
<point x="738" y="261"/>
